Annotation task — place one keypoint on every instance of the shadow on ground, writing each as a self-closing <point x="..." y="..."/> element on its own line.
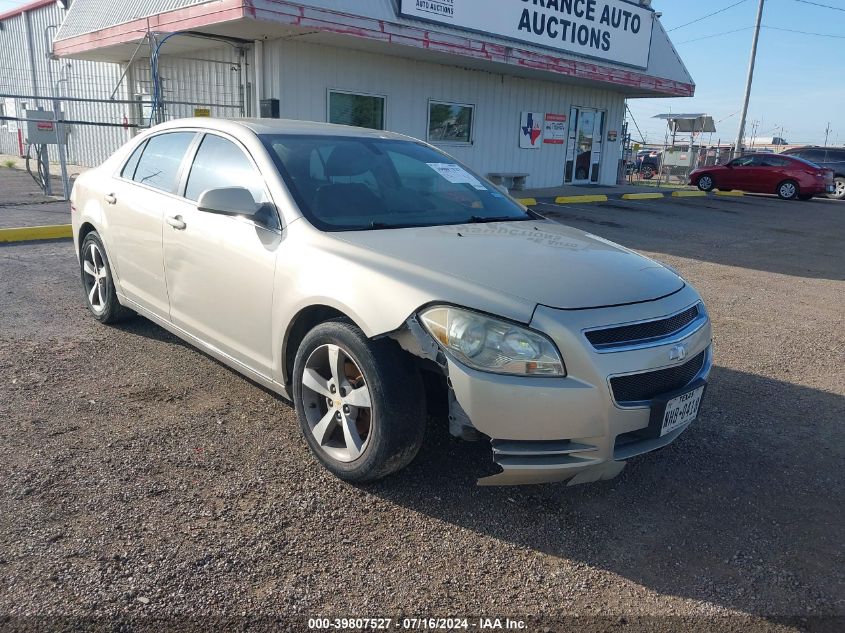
<point x="745" y="514"/>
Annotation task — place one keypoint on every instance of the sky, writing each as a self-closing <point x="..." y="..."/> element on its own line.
<point x="797" y="88"/>
<point x="797" y="83"/>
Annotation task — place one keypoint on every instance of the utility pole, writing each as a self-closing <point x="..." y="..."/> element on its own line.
<point x="741" y="132"/>
<point x="827" y="133"/>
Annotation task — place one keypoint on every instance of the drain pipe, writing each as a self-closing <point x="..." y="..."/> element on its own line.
<point x="258" y="66"/>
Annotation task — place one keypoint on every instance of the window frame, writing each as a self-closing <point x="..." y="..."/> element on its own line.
<point x="180" y="172"/>
<point x="355" y="93"/>
<point x="191" y="155"/>
<point x="469" y="143"/>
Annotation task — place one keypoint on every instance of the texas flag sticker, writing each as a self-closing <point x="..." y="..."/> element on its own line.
<point x="530" y="130"/>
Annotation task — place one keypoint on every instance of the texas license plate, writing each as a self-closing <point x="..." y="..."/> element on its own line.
<point x="681" y="410"/>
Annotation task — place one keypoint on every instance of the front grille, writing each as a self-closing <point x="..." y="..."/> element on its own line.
<point x="645" y="386"/>
<point x="639" y="332"/>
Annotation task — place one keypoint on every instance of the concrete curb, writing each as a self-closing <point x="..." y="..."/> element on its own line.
<point x="689" y="194"/>
<point x="28" y="233"/>
<point x="575" y="199"/>
<point x="528" y="202"/>
<point x="730" y="194"/>
<point x="642" y="196"/>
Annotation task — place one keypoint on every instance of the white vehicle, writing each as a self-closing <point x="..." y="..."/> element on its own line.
<point x="361" y="273"/>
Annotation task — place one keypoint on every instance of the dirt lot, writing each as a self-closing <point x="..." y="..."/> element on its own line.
<point x="143" y="480"/>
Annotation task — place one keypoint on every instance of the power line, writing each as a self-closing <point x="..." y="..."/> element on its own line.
<point x="771" y="28"/>
<point x="707" y="37"/>
<point x="709" y="15"/>
<point x="819" y="4"/>
<point x="642" y="138"/>
<point x="777" y="28"/>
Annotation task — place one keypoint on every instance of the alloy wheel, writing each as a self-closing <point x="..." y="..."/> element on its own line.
<point x="787" y="190"/>
<point x="95" y="277"/>
<point x="336" y="402"/>
<point x="840" y="188"/>
<point x="705" y="183"/>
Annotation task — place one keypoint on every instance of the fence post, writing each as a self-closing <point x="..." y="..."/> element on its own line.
<point x="61" y="146"/>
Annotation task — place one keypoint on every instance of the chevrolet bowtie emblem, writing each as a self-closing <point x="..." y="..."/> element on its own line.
<point x="679" y="352"/>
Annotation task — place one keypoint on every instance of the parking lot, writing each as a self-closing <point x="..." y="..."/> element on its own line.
<point x="144" y="480"/>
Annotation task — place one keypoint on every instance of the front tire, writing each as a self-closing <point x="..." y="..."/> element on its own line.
<point x="360" y="403"/>
<point x="98" y="282"/>
<point x="706" y="182"/>
<point x="788" y="190"/>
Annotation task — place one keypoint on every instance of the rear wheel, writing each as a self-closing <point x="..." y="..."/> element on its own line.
<point x="706" y="182"/>
<point x="839" y="192"/>
<point x="360" y="403"/>
<point x="647" y="172"/>
<point x="788" y="190"/>
<point x="98" y="283"/>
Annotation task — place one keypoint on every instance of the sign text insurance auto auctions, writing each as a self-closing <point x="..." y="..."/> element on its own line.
<point x="614" y="30"/>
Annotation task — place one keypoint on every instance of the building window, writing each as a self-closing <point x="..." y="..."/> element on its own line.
<point x="359" y="110"/>
<point x="450" y="122"/>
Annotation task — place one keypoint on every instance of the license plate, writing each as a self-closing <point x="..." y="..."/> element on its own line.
<point x="681" y="410"/>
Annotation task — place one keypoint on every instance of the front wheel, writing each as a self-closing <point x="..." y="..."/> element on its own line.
<point x="706" y="182"/>
<point x="839" y="191"/>
<point x="788" y="190"/>
<point x="98" y="282"/>
<point x="360" y="403"/>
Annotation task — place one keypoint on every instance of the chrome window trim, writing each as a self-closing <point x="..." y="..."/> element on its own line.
<point x="674" y="337"/>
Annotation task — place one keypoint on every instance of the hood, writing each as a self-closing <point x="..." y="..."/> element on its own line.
<point x="540" y="262"/>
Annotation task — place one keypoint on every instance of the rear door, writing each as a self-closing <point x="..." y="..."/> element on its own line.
<point x="142" y="192"/>
<point x="220" y="268"/>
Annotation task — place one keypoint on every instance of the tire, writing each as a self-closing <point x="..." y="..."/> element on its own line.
<point x="706" y="182"/>
<point x="98" y="283"/>
<point x="647" y="172"/>
<point x="839" y="194"/>
<point x="357" y="443"/>
<point x="788" y="190"/>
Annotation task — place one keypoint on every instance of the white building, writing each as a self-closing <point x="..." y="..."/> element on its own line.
<point x="508" y="86"/>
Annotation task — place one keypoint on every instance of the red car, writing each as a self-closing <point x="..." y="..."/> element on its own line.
<point x="787" y="176"/>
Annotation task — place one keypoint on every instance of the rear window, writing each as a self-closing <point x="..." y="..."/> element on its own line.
<point x="351" y="183"/>
<point x="161" y="159"/>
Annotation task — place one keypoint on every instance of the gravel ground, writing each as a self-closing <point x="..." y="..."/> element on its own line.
<point x="145" y="482"/>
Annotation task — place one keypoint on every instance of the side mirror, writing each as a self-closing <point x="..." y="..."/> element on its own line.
<point x="228" y="201"/>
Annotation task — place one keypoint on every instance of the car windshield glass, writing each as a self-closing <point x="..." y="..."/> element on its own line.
<point x="348" y="183"/>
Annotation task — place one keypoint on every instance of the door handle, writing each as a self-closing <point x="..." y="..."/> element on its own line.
<point x="176" y="222"/>
<point x="110" y="198"/>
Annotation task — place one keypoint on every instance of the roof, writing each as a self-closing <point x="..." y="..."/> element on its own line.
<point x="26" y="7"/>
<point x="280" y="126"/>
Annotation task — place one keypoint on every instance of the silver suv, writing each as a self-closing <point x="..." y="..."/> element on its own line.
<point x="363" y="273"/>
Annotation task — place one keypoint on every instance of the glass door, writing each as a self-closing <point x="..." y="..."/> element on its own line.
<point x="583" y="154"/>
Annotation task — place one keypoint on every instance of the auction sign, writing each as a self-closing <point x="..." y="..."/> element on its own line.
<point x="613" y="30"/>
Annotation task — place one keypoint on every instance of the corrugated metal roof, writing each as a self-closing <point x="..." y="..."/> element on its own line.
<point x="87" y="16"/>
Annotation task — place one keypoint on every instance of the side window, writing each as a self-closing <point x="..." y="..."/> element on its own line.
<point x="221" y="163"/>
<point x="128" y="170"/>
<point x="744" y="161"/>
<point x="814" y="155"/>
<point x="775" y="161"/>
<point x="160" y="161"/>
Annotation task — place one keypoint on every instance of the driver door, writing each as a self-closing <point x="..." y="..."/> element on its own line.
<point x="220" y="269"/>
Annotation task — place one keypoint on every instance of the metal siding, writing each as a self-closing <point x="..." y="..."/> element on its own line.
<point x="87" y="16"/>
<point x="300" y="75"/>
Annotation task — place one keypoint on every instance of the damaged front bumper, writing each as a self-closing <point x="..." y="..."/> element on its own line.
<point x="545" y="429"/>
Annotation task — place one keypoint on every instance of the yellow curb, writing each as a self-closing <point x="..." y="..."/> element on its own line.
<point x="528" y="202"/>
<point x="689" y="194"/>
<point x="571" y="199"/>
<point x="730" y="193"/>
<point x="26" y="233"/>
<point x="641" y="196"/>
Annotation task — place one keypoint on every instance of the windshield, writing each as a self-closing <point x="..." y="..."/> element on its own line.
<point x="345" y="183"/>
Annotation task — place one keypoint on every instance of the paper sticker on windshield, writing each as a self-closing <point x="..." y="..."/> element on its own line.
<point x="457" y="175"/>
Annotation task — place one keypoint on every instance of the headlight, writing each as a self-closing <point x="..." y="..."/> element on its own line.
<point x="492" y="345"/>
